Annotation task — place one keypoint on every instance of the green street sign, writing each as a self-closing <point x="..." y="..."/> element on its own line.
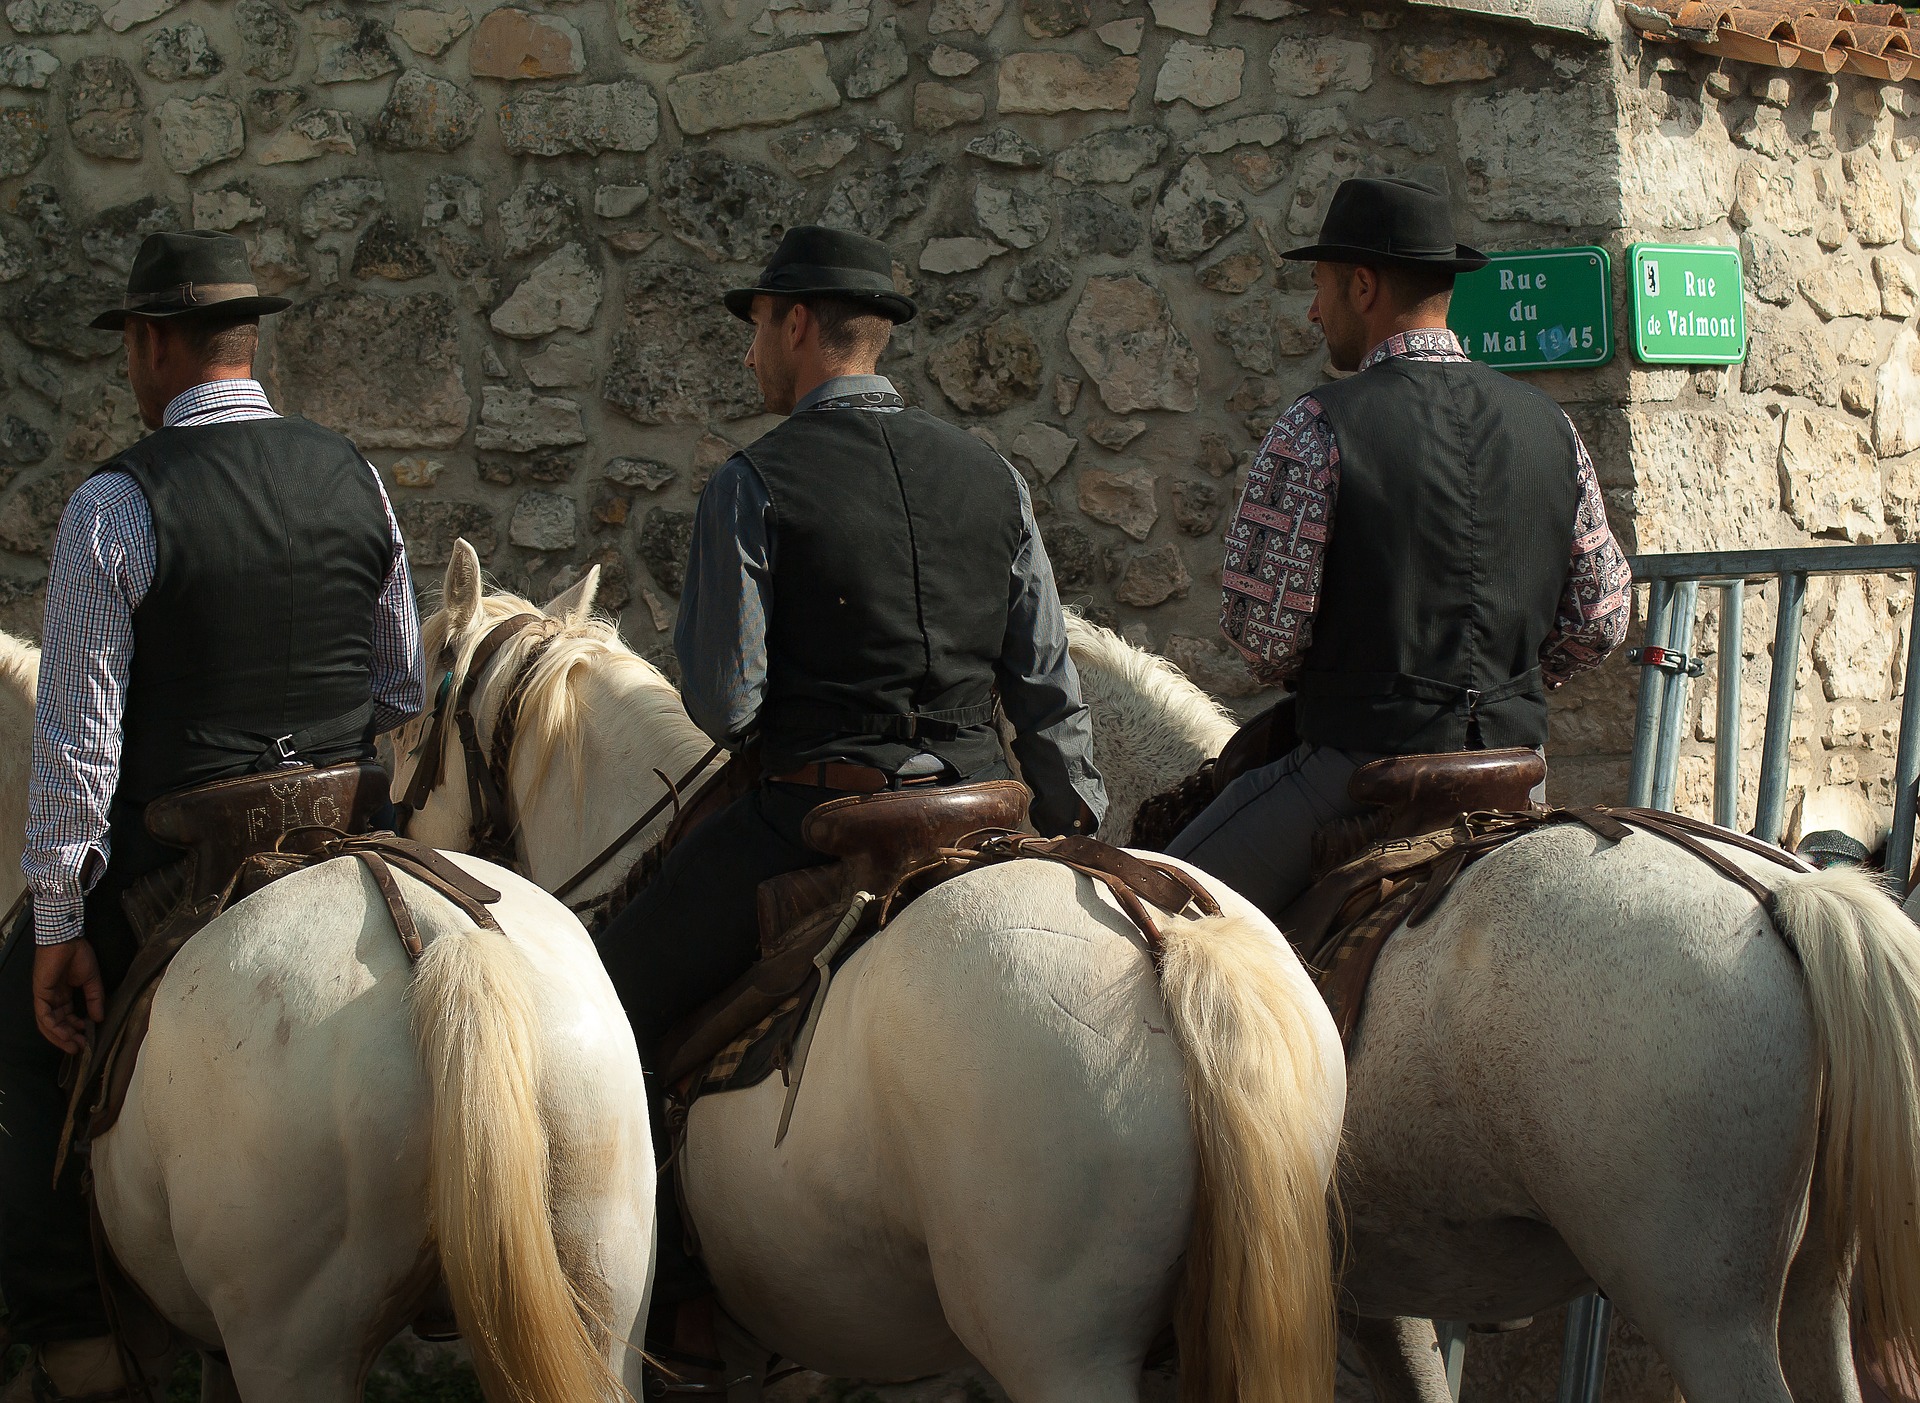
<point x="1689" y="305"/>
<point x="1546" y="308"/>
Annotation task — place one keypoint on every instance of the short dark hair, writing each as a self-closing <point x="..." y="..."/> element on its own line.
<point x="1411" y="287"/>
<point x="217" y="341"/>
<point x="849" y="329"/>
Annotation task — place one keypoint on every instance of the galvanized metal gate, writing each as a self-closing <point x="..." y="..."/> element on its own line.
<point x="1666" y="666"/>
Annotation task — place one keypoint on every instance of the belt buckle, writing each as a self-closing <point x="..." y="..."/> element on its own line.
<point x="283" y="747"/>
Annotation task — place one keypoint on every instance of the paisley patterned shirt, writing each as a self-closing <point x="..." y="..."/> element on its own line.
<point x="1277" y="543"/>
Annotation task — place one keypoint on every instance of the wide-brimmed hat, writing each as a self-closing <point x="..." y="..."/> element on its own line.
<point x="191" y="273"/>
<point x="1390" y="223"/>
<point x="816" y="262"/>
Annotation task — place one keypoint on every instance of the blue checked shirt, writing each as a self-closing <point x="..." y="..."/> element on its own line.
<point x="721" y="634"/>
<point x="102" y="567"/>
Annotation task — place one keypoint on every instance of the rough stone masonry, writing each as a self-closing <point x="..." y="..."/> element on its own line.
<point x="507" y="226"/>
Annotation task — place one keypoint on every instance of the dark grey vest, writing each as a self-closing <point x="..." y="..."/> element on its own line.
<point x="893" y="544"/>
<point x="1449" y="550"/>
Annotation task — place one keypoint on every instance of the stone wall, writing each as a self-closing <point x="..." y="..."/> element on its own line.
<point x="507" y="228"/>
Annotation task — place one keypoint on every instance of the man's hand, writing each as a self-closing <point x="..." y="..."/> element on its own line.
<point x="58" y="972"/>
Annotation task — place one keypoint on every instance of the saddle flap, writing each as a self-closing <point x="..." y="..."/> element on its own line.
<point x="1423" y="793"/>
<point x="789" y="901"/>
<point x="883" y="836"/>
<point x="224" y="823"/>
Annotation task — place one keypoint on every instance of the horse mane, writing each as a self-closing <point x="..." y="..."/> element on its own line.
<point x="551" y="706"/>
<point x="1152" y="679"/>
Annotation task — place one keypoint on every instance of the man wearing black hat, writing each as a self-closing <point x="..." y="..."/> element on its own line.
<point x="229" y="595"/>
<point x="1420" y="551"/>
<point x="862" y="582"/>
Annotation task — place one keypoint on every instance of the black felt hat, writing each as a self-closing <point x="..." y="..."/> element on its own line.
<point x="816" y="262"/>
<point x="190" y="273"/>
<point x="1390" y="223"/>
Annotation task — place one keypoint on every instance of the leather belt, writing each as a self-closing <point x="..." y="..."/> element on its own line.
<point x="853" y="779"/>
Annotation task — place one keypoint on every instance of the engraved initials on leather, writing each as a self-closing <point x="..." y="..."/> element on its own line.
<point x="288" y="793"/>
<point x="327" y="813"/>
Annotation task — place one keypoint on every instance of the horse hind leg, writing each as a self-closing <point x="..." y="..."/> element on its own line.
<point x="1816" y="1340"/>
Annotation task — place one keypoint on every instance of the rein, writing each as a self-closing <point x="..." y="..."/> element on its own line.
<point x="490" y="829"/>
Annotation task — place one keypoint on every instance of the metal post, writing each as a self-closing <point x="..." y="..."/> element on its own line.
<point x="1673" y="700"/>
<point x="1583" y="1358"/>
<point x="1726" y="729"/>
<point x="1770" y="816"/>
<point x="1906" y="766"/>
<point x="1452" y="1335"/>
<point x="1645" y="716"/>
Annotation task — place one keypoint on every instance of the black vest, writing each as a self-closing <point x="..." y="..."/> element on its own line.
<point x="1449" y="551"/>
<point x="271" y="548"/>
<point x="893" y="544"/>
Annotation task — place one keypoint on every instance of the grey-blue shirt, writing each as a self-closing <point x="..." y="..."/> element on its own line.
<point x="721" y="634"/>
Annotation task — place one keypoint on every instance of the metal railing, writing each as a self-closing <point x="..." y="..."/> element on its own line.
<point x="1666" y="667"/>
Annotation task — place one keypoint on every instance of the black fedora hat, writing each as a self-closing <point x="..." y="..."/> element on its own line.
<point x="816" y="262"/>
<point x="190" y="273"/>
<point x="1390" y="223"/>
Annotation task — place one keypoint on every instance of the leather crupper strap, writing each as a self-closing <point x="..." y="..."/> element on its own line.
<point x="380" y="853"/>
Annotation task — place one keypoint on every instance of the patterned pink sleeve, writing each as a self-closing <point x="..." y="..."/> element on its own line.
<point x="1277" y="543"/>
<point x="1592" y="616"/>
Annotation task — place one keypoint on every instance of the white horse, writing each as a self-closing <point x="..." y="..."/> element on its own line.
<point x="1012" y="1136"/>
<point x="19" y="676"/>
<point x="316" y="1132"/>
<point x="1603" y="1066"/>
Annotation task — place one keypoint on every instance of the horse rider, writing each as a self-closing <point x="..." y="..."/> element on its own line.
<point x="863" y="581"/>
<point x="229" y="595"/>
<point x="1420" y="551"/>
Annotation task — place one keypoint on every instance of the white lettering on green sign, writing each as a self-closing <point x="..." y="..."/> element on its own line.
<point x="1536" y="309"/>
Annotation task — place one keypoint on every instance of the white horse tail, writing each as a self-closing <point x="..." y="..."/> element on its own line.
<point x="1861" y="956"/>
<point x="1256" y="1320"/>
<point x="491" y="1215"/>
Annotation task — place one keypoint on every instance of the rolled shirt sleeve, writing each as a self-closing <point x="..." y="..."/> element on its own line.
<point x="398" y="682"/>
<point x="1040" y="690"/>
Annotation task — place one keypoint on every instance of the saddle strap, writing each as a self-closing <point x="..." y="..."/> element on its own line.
<point x="380" y="853"/>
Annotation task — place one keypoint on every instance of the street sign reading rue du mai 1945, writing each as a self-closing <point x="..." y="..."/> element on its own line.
<point x="1689" y="306"/>
<point x="1549" y="308"/>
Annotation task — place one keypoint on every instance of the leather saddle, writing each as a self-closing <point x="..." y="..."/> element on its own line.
<point x="1422" y="793"/>
<point x="878" y="839"/>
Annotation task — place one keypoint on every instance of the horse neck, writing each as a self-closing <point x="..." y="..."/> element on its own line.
<point x="583" y="802"/>
<point x="19" y="675"/>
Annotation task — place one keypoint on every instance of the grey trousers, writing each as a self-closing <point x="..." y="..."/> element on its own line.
<point x="1257" y="837"/>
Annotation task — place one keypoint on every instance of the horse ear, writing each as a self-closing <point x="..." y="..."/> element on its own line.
<point x="575" y="602"/>
<point x="460" y="594"/>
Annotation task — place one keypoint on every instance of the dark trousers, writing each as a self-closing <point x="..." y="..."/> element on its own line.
<point x="46" y="1251"/>
<point x="684" y="939"/>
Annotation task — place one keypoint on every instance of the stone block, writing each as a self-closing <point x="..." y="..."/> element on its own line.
<point x="267" y="39"/>
<point x="350" y="48"/>
<point x="341" y="203"/>
<point x="1910" y="213"/>
<point x="388" y="251"/>
<point x="1899" y="289"/>
<point x="677" y="358"/>
<point x="537" y="215"/>
<point x="276" y="261"/>
<point x="1123" y="333"/>
<point x="1531" y="155"/>
<point x="1039" y="280"/>
<point x="950" y="256"/>
<point x="114" y="236"/>
<point x="618" y="201"/>
<point x="519" y="421"/>
<point x="561" y="363"/>
<point x="1778" y="193"/>
<point x="874" y="201"/>
<point x="1853" y="654"/>
<point x="1309" y="67"/>
<point x="1052" y="81"/>
<point x="180" y="52"/>
<point x="664" y="539"/>
<point x="23" y="66"/>
<point x="1115" y="434"/>
<point x="226" y="209"/>
<point x="199" y="132"/>
<point x="1199" y="74"/>
<point x="1829" y="478"/>
<point x="1122" y="499"/>
<point x="1184" y="16"/>
<point x="310" y="136"/>
<point x="383" y="370"/>
<point x="520" y="44"/>
<point x="731" y="211"/>
<point x="582" y="117"/>
<point x="427" y="113"/>
<point x="1016" y="217"/>
<point x="24" y="137"/>
<point x="430" y="31"/>
<point x="1123" y="35"/>
<point x="1150" y="577"/>
<point x="103" y="109"/>
<point x="1871" y="204"/>
<point x="1772" y="272"/>
<point x="543" y="521"/>
<point x="127" y="13"/>
<point x="1705" y="479"/>
<point x="51" y="314"/>
<point x="53" y="16"/>
<point x="431" y="528"/>
<point x="964" y="16"/>
<point x="1786" y="355"/>
<point x="562" y="293"/>
<point x="1042" y="449"/>
<point x="1192" y="215"/>
<point x="988" y="369"/>
<point x="879" y="61"/>
<point x="1458" y="61"/>
<point x="1005" y="147"/>
<point x="764" y="90"/>
<point x="796" y="19"/>
<point x="1090" y="223"/>
<point x="660" y="30"/>
<point x="1050" y="19"/>
<point x="1111" y="157"/>
<point x="937" y="107"/>
<point x="1896" y="413"/>
<point x="269" y="108"/>
<point x="945" y="61"/>
<point x="1840" y="287"/>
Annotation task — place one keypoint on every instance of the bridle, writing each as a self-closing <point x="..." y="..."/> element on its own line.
<point x="490" y="828"/>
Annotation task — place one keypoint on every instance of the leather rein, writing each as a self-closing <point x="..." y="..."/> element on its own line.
<point x="490" y="831"/>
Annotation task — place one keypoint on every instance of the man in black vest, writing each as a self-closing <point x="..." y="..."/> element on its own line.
<point x="862" y="582"/>
<point x="229" y="595"/>
<point x="1421" y="550"/>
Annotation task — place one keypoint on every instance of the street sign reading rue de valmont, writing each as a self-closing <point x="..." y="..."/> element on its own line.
<point x="1689" y="306"/>
<point x="1548" y="308"/>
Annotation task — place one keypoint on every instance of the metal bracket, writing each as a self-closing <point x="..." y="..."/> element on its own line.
<point x="1668" y="660"/>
